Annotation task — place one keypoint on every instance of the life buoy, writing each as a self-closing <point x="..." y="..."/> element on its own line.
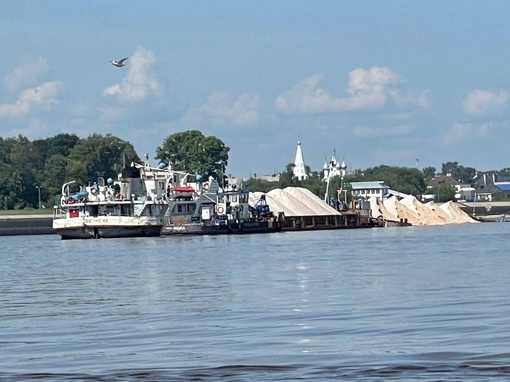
<point x="83" y="200"/>
<point x="119" y="196"/>
<point x="93" y="191"/>
<point x="70" y="200"/>
<point x="220" y="209"/>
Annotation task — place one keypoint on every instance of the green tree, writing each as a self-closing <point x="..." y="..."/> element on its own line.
<point x="429" y="173"/>
<point x="98" y="156"/>
<point x="442" y="193"/>
<point x="54" y="176"/>
<point x="403" y="179"/>
<point x="459" y="172"/>
<point x="17" y="188"/>
<point x="22" y="166"/>
<point x="59" y="144"/>
<point x="256" y="184"/>
<point x="287" y="178"/>
<point x="193" y="152"/>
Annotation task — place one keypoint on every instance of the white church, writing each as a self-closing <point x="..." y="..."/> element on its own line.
<point x="330" y="169"/>
<point x="333" y="168"/>
<point x="299" y="164"/>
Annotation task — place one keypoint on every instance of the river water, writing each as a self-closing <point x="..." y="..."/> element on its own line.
<point x="410" y="303"/>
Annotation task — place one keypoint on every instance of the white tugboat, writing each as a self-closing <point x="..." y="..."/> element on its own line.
<point x="131" y="206"/>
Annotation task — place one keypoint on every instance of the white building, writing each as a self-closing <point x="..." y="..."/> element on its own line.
<point x="299" y="164"/>
<point x="368" y="189"/>
<point x="333" y="168"/>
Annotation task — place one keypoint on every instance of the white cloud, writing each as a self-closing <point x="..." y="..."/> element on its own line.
<point x="80" y="109"/>
<point x="377" y="132"/>
<point x="457" y="132"/>
<point x="403" y="99"/>
<point x="222" y="107"/>
<point x="460" y="131"/>
<point x="26" y="74"/>
<point x="42" y="96"/>
<point x="139" y="82"/>
<point x="369" y="88"/>
<point x="483" y="102"/>
<point x="305" y="97"/>
<point x="112" y="113"/>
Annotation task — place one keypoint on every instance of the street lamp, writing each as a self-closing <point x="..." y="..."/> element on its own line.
<point x="39" y="189"/>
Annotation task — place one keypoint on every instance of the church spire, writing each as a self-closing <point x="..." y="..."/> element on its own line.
<point x="299" y="164"/>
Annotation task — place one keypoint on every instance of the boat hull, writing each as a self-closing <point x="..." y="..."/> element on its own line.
<point x="224" y="229"/>
<point x="103" y="232"/>
<point x="107" y="227"/>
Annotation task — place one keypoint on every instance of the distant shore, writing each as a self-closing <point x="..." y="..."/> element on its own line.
<point x="40" y="222"/>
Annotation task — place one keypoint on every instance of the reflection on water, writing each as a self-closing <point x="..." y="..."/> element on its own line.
<point x="416" y="303"/>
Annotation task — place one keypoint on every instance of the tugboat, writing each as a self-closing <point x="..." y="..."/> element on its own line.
<point x="211" y="210"/>
<point x="131" y="206"/>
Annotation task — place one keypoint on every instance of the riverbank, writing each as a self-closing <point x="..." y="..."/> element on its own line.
<point x="37" y="224"/>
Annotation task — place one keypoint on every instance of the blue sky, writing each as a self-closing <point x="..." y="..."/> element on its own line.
<point x="380" y="82"/>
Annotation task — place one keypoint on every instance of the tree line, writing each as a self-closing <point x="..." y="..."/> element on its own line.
<point x="406" y="180"/>
<point x="29" y="169"/>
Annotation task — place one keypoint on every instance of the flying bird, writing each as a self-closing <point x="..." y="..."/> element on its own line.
<point x="119" y="63"/>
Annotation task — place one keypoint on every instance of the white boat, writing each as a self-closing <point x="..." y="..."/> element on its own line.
<point x="131" y="206"/>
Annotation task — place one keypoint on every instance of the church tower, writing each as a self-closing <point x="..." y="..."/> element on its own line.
<point x="299" y="164"/>
<point x="331" y="168"/>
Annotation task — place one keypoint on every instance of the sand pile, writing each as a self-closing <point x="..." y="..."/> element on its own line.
<point x="378" y="208"/>
<point x="442" y="215"/>
<point x="425" y="214"/>
<point x="418" y="213"/>
<point x="391" y="206"/>
<point x="308" y="198"/>
<point x="296" y="201"/>
<point x="456" y="214"/>
<point x="406" y="213"/>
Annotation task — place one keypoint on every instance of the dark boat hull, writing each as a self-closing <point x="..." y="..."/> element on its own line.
<point x="223" y="229"/>
<point x="109" y="232"/>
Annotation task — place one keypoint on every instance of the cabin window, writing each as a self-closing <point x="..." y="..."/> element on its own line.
<point x="184" y="209"/>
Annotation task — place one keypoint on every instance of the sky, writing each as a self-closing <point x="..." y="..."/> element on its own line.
<point x="401" y="83"/>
